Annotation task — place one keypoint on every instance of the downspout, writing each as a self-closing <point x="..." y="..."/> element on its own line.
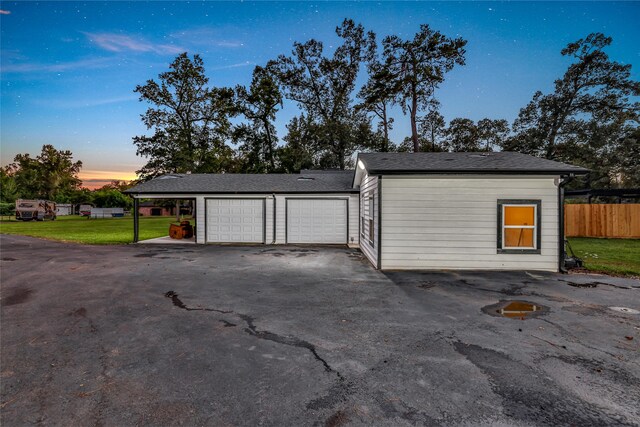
<point x="273" y="242"/>
<point x="379" y="215"/>
<point x="564" y="180"/>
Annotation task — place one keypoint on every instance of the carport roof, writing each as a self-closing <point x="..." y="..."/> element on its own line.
<point x="502" y="162"/>
<point x="232" y="183"/>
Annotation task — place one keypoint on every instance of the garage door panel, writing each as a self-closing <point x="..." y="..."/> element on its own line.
<point x="235" y="220"/>
<point x="317" y="221"/>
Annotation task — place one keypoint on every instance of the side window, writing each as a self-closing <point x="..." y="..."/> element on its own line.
<point x="519" y="226"/>
<point x="367" y="215"/>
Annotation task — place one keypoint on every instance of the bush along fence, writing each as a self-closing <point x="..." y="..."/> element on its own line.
<point x="602" y="220"/>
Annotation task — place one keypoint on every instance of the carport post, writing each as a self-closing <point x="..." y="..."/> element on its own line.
<point x="136" y="221"/>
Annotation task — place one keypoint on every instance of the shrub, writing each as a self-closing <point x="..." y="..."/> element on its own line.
<point x="7" y="208"/>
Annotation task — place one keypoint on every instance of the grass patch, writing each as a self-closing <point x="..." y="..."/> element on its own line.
<point x="108" y="231"/>
<point x="617" y="256"/>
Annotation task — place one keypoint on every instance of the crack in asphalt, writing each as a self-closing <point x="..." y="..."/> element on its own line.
<point x="251" y="330"/>
<point x="595" y="284"/>
<point x="178" y="303"/>
<point x="290" y="341"/>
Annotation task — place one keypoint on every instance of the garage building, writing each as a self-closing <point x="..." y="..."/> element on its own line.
<point x="314" y="207"/>
<point x="500" y="211"/>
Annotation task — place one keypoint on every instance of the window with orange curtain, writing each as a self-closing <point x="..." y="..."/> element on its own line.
<point x="519" y="226"/>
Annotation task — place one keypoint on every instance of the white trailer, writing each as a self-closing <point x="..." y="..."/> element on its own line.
<point x="64" y="209"/>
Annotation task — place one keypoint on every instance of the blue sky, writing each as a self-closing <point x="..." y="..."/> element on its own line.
<point x="68" y="69"/>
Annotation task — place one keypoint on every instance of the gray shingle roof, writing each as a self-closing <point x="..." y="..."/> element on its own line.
<point x="339" y="182"/>
<point x="503" y="162"/>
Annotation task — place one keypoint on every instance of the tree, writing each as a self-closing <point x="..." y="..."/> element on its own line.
<point x="111" y="198"/>
<point x="417" y="67"/>
<point x="25" y="172"/>
<point x="466" y="135"/>
<point x="462" y="135"/>
<point x="190" y="121"/>
<point x="377" y="95"/>
<point x="76" y="196"/>
<point x="120" y="185"/>
<point x="50" y="174"/>
<point x="323" y="86"/>
<point x="627" y="160"/>
<point x="302" y="142"/>
<point x="259" y="105"/>
<point x="433" y="127"/>
<point x="492" y="133"/>
<point x="588" y="111"/>
<point x="8" y="187"/>
<point x="111" y="195"/>
<point x="57" y="171"/>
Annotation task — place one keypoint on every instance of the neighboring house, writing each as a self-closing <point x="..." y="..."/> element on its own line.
<point x="149" y="208"/>
<point x="403" y="210"/>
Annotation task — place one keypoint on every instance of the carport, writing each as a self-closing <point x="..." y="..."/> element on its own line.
<point x="164" y="239"/>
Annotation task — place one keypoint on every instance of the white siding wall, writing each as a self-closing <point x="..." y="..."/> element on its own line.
<point x="449" y="222"/>
<point x="369" y="184"/>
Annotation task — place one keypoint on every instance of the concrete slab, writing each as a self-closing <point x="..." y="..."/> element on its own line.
<point x="167" y="240"/>
<point x="264" y="335"/>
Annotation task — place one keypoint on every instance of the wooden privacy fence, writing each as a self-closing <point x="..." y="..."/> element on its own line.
<point x="602" y="220"/>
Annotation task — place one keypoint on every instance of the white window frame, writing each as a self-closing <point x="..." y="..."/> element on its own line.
<point x="367" y="215"/>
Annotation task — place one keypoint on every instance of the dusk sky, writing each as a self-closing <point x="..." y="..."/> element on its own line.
<point x="68" y="69"/>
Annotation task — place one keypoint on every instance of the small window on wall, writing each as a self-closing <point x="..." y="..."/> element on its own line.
<point x="519" y="226"/>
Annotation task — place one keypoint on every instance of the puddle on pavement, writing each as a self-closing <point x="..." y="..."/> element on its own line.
<point x="515" y="309"/>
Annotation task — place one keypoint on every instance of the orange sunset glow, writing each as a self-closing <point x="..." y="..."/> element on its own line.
<point x="93" y="179"/>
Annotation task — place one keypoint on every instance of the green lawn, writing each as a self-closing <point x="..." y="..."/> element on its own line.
<point x="617" y="256"/>
<point x="107" y="231"/>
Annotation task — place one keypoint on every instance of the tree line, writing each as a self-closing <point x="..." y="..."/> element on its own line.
<point x="589" y="119"/>
<point x="53" y="175"/>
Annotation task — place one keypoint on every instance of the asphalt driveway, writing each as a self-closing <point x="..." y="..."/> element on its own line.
<point x="206" y="335"/>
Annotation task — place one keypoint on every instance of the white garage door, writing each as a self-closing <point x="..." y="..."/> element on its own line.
<point x="317" y="221"/>
<point x="235" y="220"/>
